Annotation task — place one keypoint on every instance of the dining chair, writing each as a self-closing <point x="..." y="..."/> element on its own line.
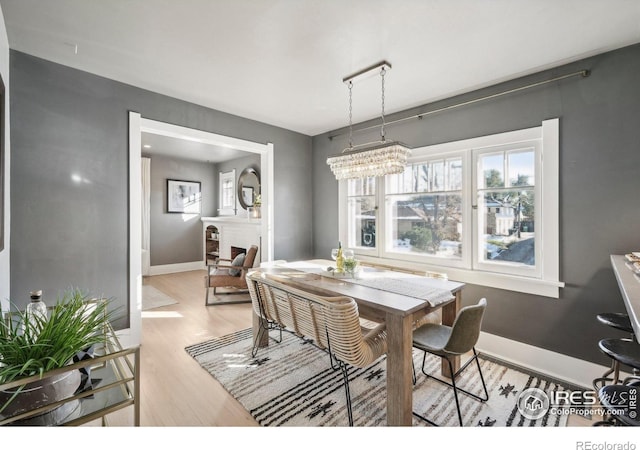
<point x="332" y="324"/>
<point x="448" y="342"/>
<point x="266" y="321"/>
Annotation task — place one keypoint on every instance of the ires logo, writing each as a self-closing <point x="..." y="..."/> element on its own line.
<point x="534" y="403"/>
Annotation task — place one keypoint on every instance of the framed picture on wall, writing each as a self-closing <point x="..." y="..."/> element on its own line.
<point x="183" y="197"/>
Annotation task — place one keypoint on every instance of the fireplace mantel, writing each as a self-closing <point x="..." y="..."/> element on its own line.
<point x="233" y="232"/>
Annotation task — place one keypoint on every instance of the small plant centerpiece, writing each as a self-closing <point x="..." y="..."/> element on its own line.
<point x="33" y="345"/>
<point x="351" y="266"/>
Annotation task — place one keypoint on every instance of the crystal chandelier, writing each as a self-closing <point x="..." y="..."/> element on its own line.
<point x="373" y="159"/>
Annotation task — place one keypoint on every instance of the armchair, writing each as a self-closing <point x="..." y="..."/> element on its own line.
<point x="230" y="274"/>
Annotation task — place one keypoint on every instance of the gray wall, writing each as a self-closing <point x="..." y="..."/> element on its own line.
<point x="173" y="239"/>
<point x="67" y="122"/>
<point x="6" y="213"/>
<point x="599" y="186"/>
<point x="239" y="164"/>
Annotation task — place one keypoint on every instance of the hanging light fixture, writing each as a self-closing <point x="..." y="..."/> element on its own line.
<point x="373" y="159"/>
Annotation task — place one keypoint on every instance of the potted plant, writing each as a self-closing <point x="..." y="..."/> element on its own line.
<point x="31" y="346"/>
<point x="351" y="266"/>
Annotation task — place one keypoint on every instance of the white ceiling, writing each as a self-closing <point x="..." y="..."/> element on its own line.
<point x="282" y="61"/>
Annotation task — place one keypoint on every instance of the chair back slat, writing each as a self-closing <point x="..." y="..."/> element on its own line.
<point x="257" y="301"/>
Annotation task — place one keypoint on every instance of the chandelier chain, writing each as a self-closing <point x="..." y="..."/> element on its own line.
<point x="350" y="114"/>
<point x="382" y="73"/>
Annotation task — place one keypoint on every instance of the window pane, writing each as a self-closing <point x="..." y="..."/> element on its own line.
<point x="402" y="182"/>
<point x="426" y="224"/>
<point x="491" y="171"/>
<point x="361" y="186"/>
<point x="508" y="226"/>
<point x="454" y="182"/>
<point x="362" y="222"/>
<point x="432" y="176"/>
<point x="437" y="176"/>
<point x="227" y="194"/>
<point x="521" y="168"/>
<point x="421" y="178"/>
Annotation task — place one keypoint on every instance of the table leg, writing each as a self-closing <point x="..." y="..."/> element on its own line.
<point x="399" y="370"/>
<point x="449" y="313"/>
<point x="260" y="335"/>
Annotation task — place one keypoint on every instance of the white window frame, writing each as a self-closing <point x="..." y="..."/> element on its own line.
<point x="506" y="267"/>
<point x="227" y="210"/>
<point x="546" y="279"/>
<point x="417" y="157"/>
<point x="349" y="237"/>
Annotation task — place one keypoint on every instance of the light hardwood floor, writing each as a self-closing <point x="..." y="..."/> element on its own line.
<point x="175" y="390"/>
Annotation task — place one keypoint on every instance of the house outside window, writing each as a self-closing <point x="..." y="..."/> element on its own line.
<point x="483" y="210"/>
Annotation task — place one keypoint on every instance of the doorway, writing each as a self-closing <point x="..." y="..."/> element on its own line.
<point x="138" y="125"/>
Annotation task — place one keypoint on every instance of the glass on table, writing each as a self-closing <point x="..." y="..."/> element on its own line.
<point x="345" y="253"/>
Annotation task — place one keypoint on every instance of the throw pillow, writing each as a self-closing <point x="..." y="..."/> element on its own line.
<point x="238" y="261"/>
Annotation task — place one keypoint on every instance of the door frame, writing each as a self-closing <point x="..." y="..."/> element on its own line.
<point x="138" y="125"/>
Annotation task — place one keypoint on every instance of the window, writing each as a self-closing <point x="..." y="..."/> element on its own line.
<point x="505" y="190"/>
<point x="484" y="210"/>
<point x="362" y="215"/>
<point x="424" y="209"/>
<point x="227" y="198"/>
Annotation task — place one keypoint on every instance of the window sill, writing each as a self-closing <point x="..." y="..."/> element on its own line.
<point x="544" y="288"/>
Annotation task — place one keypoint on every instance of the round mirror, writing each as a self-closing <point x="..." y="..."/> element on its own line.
<point x="248" y="187"/>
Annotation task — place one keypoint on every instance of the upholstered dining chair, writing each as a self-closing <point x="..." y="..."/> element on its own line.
<point x="225" y="273"/>
<point x="449" y="342"/>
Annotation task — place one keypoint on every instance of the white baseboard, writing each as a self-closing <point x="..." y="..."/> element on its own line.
<point x="556" y="365"/>
<point x="175" y="268"/>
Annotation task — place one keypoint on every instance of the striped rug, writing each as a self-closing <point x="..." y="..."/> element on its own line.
<point x="292" y="384"/>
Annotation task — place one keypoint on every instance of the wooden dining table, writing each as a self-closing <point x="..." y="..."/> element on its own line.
<point x="398" y="310"/>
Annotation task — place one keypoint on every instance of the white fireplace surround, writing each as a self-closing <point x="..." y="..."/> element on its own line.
<point x="234" y="232"/>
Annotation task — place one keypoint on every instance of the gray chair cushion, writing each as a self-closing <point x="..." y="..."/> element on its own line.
<point x="238" y="261"/>
<point x="431" y="337"/>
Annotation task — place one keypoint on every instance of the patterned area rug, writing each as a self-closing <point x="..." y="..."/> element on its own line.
<point x="153" y="298"/>
<point x="292" y="384"/>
